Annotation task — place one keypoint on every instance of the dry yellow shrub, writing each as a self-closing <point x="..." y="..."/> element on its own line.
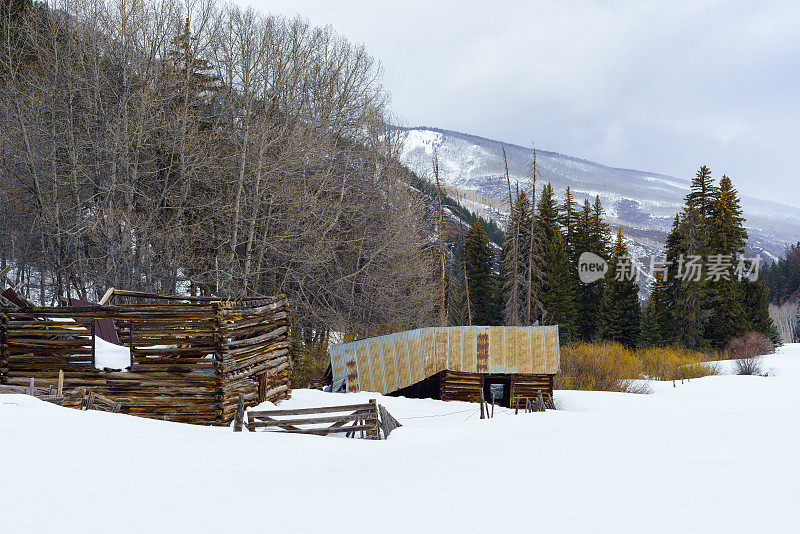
<point x="612" y="367"/>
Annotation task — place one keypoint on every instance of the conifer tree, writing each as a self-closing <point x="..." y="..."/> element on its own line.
<point x="701" y="192"/>
<point x="755" y="299"/>
<point x="599" y="233"/>
<point x="558" y="298"/>
<point x="726" y="240"/>
<point x="546" y="226"/>
<point x="478" y="256"/>
<point x="457" y="288"/>
<point x="620" y="312"/>
<point x="568" y="217"/>
<point x="591" y="235"/>
<point x="655" y="330"/>
<point x="688" y="290"/>
<point x="547" y="214"/>
<point x="726" y="225"/>
<point x="193" y="82"/>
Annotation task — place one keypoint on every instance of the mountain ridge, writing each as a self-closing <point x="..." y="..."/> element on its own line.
<point x="540" y="151"/>
<point x="642" y="203"/>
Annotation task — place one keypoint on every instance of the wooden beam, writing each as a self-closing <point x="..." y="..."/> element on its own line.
<point x="107" y="296"/>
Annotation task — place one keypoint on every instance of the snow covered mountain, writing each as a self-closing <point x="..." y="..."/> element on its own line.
<point x="642" y="203"/>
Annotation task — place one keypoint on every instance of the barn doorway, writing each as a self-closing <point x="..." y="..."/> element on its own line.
<point x="499" y="388"/>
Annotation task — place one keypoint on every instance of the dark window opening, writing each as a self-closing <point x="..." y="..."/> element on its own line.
<point x="499" y="389"/>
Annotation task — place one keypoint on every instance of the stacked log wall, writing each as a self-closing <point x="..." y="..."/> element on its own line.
<point x="254" y="347"/>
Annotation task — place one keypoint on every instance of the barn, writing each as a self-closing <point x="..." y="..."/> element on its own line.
<point x="508" y="363"/>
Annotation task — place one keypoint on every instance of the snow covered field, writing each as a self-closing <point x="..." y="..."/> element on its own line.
<point x="720" y="453"/>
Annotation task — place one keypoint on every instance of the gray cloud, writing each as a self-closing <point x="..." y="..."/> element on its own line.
<point x="658" y="86"/>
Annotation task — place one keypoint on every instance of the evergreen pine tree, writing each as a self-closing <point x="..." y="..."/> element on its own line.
<point x="599" y="233"/>
<point x="701" y="192"/>
<point x="192" y="80"/>
<point x="655" y="330"/>
<point x="547" y="214"/>
<point x="478" y="255"/>
<point x="568" y="217"/>
<point x="558" y="298"/>
<point x="689" y="293"/>
<point x="755" y="299"/>
<point x="620" y="312"/>
<point x="726" y="224"/>
<point x="591" y="235"/>
<point x="726" y="240"/>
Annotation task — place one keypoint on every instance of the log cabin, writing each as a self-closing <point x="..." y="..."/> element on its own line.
<point x="169" y="357"/>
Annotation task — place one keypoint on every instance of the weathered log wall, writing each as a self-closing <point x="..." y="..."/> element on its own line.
<point x="189" y="360"/>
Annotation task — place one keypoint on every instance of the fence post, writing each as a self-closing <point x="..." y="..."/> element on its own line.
<point x="482" y="414"/>
<point x="60" y="382"/>
<point x="238" y="418"/>
<point x="376" y="433"/>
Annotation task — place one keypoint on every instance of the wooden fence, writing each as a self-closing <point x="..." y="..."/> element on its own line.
<point x="355" y="420"/>
<point x="189" y="357"/>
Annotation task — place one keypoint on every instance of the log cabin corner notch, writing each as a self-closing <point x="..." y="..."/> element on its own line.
<point x="452" y="363"/>
<point x="190" y="357"/>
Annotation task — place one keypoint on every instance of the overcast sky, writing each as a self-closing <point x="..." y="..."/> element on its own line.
<point x="662" y="86"/>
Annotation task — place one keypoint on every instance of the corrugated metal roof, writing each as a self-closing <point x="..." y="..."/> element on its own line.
<point x="387" y="363"/>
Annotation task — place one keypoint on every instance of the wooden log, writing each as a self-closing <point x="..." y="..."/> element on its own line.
<point x="106" y="296"/>
<point x="274" y="365"/>
<point x="60" y="382"/>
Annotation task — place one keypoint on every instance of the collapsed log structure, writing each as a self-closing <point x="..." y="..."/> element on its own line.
<point x="190" y="357"/>
<point x="508" y="363"/>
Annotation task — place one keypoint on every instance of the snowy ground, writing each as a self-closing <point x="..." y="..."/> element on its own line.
<point x="715" y="454"/>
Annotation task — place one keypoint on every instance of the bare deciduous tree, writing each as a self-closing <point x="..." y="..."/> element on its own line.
<point x="174" y="146"/>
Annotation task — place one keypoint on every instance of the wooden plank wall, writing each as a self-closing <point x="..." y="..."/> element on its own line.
<point x="189" y="360"/>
